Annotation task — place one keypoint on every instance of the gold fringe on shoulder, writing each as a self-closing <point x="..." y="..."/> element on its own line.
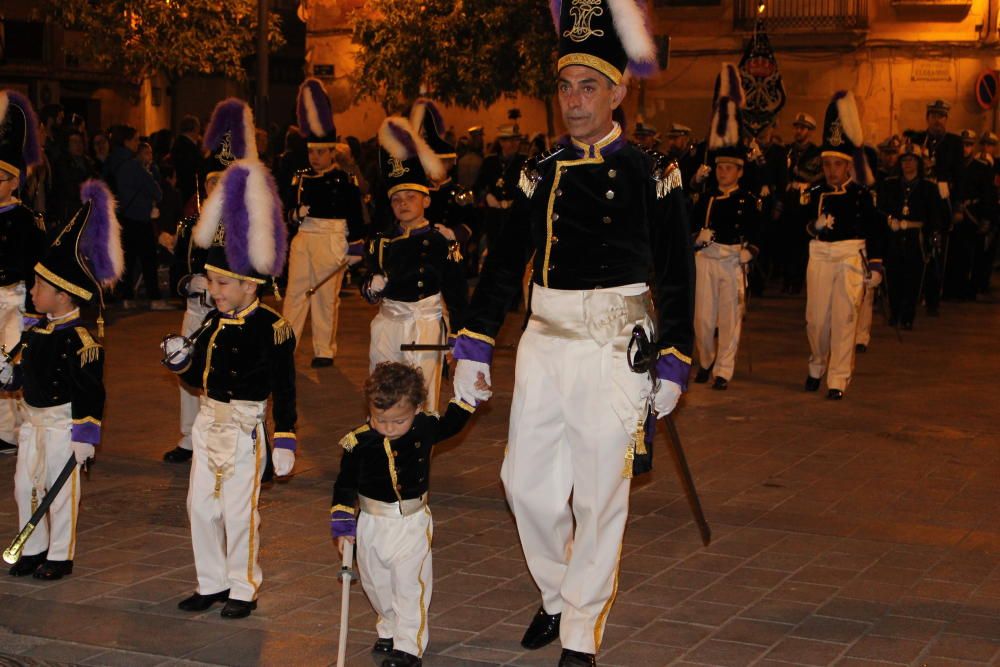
<point x="90" y="350"/>
<point x="349" y="441"/>
<point x="282" y="331"/>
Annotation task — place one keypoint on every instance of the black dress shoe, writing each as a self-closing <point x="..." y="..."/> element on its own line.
<point x="576" y="659"/>
<point x="543" y="630"/>
<point x="812" y="384"/>
<point x="720" y="384"/>
<point x="383" y="646"/>
<point x="702" y="376"/>
<point x="861" y="348"/>
<point x="835" y="394"/>
<point x="7" y="447"/>
<point x="199" y="602"/>
<point x="177" y="455"/>
<point x="238" y="608"/>
<point x="401" y="659"/>
<point x="50" y="570"/>
<point x="321" y="362"/>
<point x="27" y="565"/>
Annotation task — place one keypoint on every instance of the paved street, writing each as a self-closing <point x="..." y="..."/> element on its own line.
<point x="864" y="532"/>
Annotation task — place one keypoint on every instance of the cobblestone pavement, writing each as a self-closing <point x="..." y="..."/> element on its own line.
<point x="863" y="532"/>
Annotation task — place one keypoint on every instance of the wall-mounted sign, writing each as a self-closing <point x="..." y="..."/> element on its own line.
<point x="986" y="89"/>
<point x="931" y="70"/>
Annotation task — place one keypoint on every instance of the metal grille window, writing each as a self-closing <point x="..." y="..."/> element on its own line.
<point x="803" y="15"/>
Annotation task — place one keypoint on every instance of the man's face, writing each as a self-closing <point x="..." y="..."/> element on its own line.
<point x="320" y="157"/>
<point x="990" y="149"/>
<point x="101" y="145"/>
<point x="908" y="164"/>
<point x="8" y="184"/>
<point x="132" y="144"/>
<point x="968" y="148"/>
<point x="802" y="134"/>
<point x="74" y="144"/>
<point x="586" y="99"/>
<point x="509" y="145"/>
<point x="728" y="174"/>
<point x="835" y="170"/>
<point x="936" y="122"/>
<point x="230" y="294"/>
<point x="889" y="159"/>
<point x="409" y="205"/>
<point x="394" y="421"/>
<point x="679" y="143"/>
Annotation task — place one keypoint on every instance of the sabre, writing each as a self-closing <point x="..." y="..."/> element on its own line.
<point x="12" y="554"/>
<point x="883" y="300"/>
<point x="340" y="267"/>
<point x="189" y="341"/>
<point x="346" y="575"/>
<point x="746" y="311"/>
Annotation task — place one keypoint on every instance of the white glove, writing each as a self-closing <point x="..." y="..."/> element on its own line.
<point x="83" y="451"/>
<point x="874" y="279"/>
<point x="704" y="238"/>
<point x="824" y="221"/>
<point x="284" y="461"/>
<point x="944" y="190"/>
<point x="176" y="349"/>
<point x="894" y="224"/>
<point x="445" y="231"/>
<point x="702" y="173"/>
<point x="199" y="283"/>
<point x="466" y="374"/>
<point x="378" y="283"/>
<point x="666" y="397"/>
<point x="6" y="370"/>
<point x="745" y="256"/>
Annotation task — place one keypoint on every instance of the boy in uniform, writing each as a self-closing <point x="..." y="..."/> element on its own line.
<point x="60" y="370"/>
<point x="240" y="356"/>
<point x="385" y="469"/>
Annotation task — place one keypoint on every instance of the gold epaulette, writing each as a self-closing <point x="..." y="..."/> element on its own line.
<point x="350" y="441"/>
<point x="282" y="331"/>
<point x="432" y="413"/>
<point x="90" y="349"/>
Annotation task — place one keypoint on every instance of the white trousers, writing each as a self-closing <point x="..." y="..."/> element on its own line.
<point x="863" y="335"/>
<point x="43" y="449"/>
<point x="11" y="326"/>
<point x="316" y="251"/>
<point x="194" y="315"/>
<point x="394" y="560"/>
<point x="568" y="438"/>
<point x="834" y="284"/>
<point x="399" y="322"/>
<point x="223" y="490"/>
<point x="719" y="303"/>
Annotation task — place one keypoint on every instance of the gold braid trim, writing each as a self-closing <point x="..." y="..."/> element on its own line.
<point x="350" y="441"/>
<point x="91" y="350"/>
<point x="282" y="331"/>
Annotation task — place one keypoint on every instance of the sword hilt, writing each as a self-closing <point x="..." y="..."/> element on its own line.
<point x="12" y="554"/>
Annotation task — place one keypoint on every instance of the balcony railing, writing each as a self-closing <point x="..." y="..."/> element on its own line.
<point x="803" y="15"/>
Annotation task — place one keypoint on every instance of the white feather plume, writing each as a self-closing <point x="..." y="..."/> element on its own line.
<point x="208" y="220"/>
<point x="260" y="205"/>
<point x="4" y="103"/>
<point x="633" y="30"/>
<point x="850" y="121"/>
<point x="312" y="114"/>
<point x="249" y="132"/>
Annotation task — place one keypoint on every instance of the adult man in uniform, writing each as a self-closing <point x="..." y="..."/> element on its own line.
<point x="804" y="170"/>
<point x="845" y="255"/>
<point x="22" y="237"/>
<point x="330" y="220"/>
<point x="645" y="135"/>
<point x="972" y="219"/>
<point x="497" y="182"/>
<point x="601" y="216"/>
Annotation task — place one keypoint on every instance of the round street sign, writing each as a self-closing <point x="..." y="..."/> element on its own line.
<point x="986" y="89"/>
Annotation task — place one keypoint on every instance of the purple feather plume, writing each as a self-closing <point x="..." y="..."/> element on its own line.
<point x="31" y="150"/>
<point x="228" y="117"/>
<point x="313" y="110"/>
<point x="555" y="6"/>
<point x="403" y="136"/>
<point x="435" y="116"/>
<point x="100" y="242"/>
<point x="237" y="220"/>
<point x="280" y="230"/>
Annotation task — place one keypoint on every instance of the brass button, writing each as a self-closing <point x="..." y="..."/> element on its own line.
<point x="610" y="194"/>
<point x="555" y="216"/>
<point x="612" y="173"/>
<point x="563" y="170"/>
<point x="559" y="192"/>
<point x="426" y="242"/>
<point x="399" y="487"/>
<point x="395" y="453"/>
<point x="606" y="219"/>
<point x="420" y="283"/>
<point x="417" y="445"/>
<point x="554" y="240"/>
<point x="420" y="270"/>
<point x="552" y="267"/>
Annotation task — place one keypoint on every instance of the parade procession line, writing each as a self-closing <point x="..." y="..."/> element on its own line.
<point x="858" y="532"/>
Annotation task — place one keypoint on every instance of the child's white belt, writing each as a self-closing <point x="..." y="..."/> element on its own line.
<point x="391" y="510"/>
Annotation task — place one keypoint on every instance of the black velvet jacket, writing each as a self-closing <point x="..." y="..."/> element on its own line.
<point x="331" y="195"/>
<point x="392" y="470"/>
<point x="417" y="264"/>
<point x="59" y="363"/>
<point x="854" y="214"/>
<point x="453" y="206"/>
<point x="22" y="244"/>
<point x="189" y="259"/>
<point x="596" y="218"/>
<point x="917" y="201"/>
<point x="734" y="216"/>
<point x="247" y="356"/>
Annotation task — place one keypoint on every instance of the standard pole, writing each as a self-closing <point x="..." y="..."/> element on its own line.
<point x="262" y="65"/>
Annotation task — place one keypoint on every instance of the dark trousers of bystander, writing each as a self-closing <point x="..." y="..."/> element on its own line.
<point x="139" y="241"/>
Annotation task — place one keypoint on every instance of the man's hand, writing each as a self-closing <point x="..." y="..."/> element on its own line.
<point x="341" y="541"/>
<point x="302" y="212"/>
<point x="472" y="382"/>
<point x="353" y="259"/>
<point x="746" y="256"/>
<point x="702" y="173"/>
<point x="894" y="224"/>
<point x="874" y="279"/>
<point x="824" y="221"/>
<point x="176" y="349"/>
<point x="83" y="451"/>
<point x="666" y="397"/>
<point x="445" y="231"/>
<point x="284" y="461"/>
<point x="704" y="238"/>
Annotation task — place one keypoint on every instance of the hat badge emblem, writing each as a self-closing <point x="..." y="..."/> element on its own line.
<point x="397" y="168"/>
<point x="583" y="12"/>
<point x="836" y="133"/>
<point x="226" y="156"/>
